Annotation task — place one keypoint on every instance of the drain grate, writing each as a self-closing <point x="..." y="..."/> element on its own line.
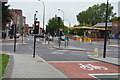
<point x="39" y="61"/>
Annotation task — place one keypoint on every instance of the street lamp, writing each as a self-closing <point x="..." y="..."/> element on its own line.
<point x="43" y="14"/>
<point x="63" y="14"/>
<point x="105" y="38"/>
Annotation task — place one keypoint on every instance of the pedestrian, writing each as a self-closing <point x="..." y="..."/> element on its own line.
<point x="4" y="35"/>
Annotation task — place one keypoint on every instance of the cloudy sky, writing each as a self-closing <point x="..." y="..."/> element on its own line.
<point x="70" y="7"/>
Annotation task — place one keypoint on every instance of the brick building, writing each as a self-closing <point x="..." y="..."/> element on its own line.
<point x="18" y="19"/>
<point x="27" y="29"/>
<point x="113" y="28"/>
<point x="116" y="27"/>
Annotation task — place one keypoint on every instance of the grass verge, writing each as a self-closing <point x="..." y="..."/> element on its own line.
<point x="3" y="63"/>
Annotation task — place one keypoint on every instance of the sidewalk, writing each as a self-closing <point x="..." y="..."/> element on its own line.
<point x="25" y="66"/>
<point x="114" y="61"/>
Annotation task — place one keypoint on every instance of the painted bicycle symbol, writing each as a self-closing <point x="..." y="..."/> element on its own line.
<point x="92" y="67"/>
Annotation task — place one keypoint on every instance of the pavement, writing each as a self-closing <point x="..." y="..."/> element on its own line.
<point x="25" y="66"/>
<point x="114" y="61"/>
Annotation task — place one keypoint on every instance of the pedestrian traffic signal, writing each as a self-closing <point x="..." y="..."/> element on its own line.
<point x="61" y="33"/>
<point x="36" y="28"/>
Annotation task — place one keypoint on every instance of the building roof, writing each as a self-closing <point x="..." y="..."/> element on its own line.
<point x="84" y="27"/>
<point x="102" y="25"/>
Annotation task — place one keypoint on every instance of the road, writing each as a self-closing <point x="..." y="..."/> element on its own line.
<point x="72" y="63"/>
<point x="111" y="51"/>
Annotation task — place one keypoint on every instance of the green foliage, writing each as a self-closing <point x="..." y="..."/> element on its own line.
<point x="54" y="25"/>
<point x="6" y="16"/>
<point x="95" y="14"/>
<point x="3" y="63"/>
<point x="115" y="19"/>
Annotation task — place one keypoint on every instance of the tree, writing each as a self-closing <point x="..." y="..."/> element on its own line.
<point x="6" y="16"/>
<point x="95" y="14"/>
<point x="115" y="19"/>
<point x="54" y="25"/>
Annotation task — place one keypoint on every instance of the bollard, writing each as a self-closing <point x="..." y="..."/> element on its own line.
<point x="96" y="52"/>
<point x="90" y="40"/>
<point x="80" y="39"/>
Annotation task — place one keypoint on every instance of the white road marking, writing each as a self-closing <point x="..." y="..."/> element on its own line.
<point x="73" y="61"/>
<point x="93" y="75"/>
<point x="106" y="74"/>
<point x="91" y="67"/>
<point x="57" y="53"/>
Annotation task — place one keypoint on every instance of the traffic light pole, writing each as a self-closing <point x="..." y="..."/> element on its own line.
<point x="14" y="37"/>
<point x="59" y="38"/>
<point x="36" y="36"/>
<point x="34" y="46"/>
<point x="22" y="35"/>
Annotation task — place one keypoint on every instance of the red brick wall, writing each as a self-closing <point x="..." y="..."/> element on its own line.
<point x="116" y="27"/>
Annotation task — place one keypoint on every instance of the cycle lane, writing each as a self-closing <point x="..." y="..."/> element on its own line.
<point x="85" y="69"/>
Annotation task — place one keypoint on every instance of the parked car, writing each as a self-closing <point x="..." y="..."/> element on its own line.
<point x="62" y="38"/>
<point x="17" y="35"/>
<point x="50" y="38"/>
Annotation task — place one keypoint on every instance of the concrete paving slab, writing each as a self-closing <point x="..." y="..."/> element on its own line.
<point x="25" y="66"/>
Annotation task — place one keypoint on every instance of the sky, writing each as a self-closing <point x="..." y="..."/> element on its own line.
<point x="71" y="8"/>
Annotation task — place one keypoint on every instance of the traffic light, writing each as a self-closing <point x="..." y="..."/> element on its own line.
<point x="36" y="28"/>
<point x="59" y="19"/>
<point x="61" y="33"/>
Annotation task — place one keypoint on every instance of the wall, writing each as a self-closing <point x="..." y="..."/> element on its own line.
<point x="116" y="27"/>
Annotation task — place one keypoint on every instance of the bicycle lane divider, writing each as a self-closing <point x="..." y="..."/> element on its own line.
<point x="83" y="69"/>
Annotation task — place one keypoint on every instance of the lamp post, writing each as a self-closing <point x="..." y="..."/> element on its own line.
<point x="69" y="22"/>
<point x="43" y="14"/>
<point x="105" y="38"/>
<point x="68" y="30"/>
<point x="63" y="14"/>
